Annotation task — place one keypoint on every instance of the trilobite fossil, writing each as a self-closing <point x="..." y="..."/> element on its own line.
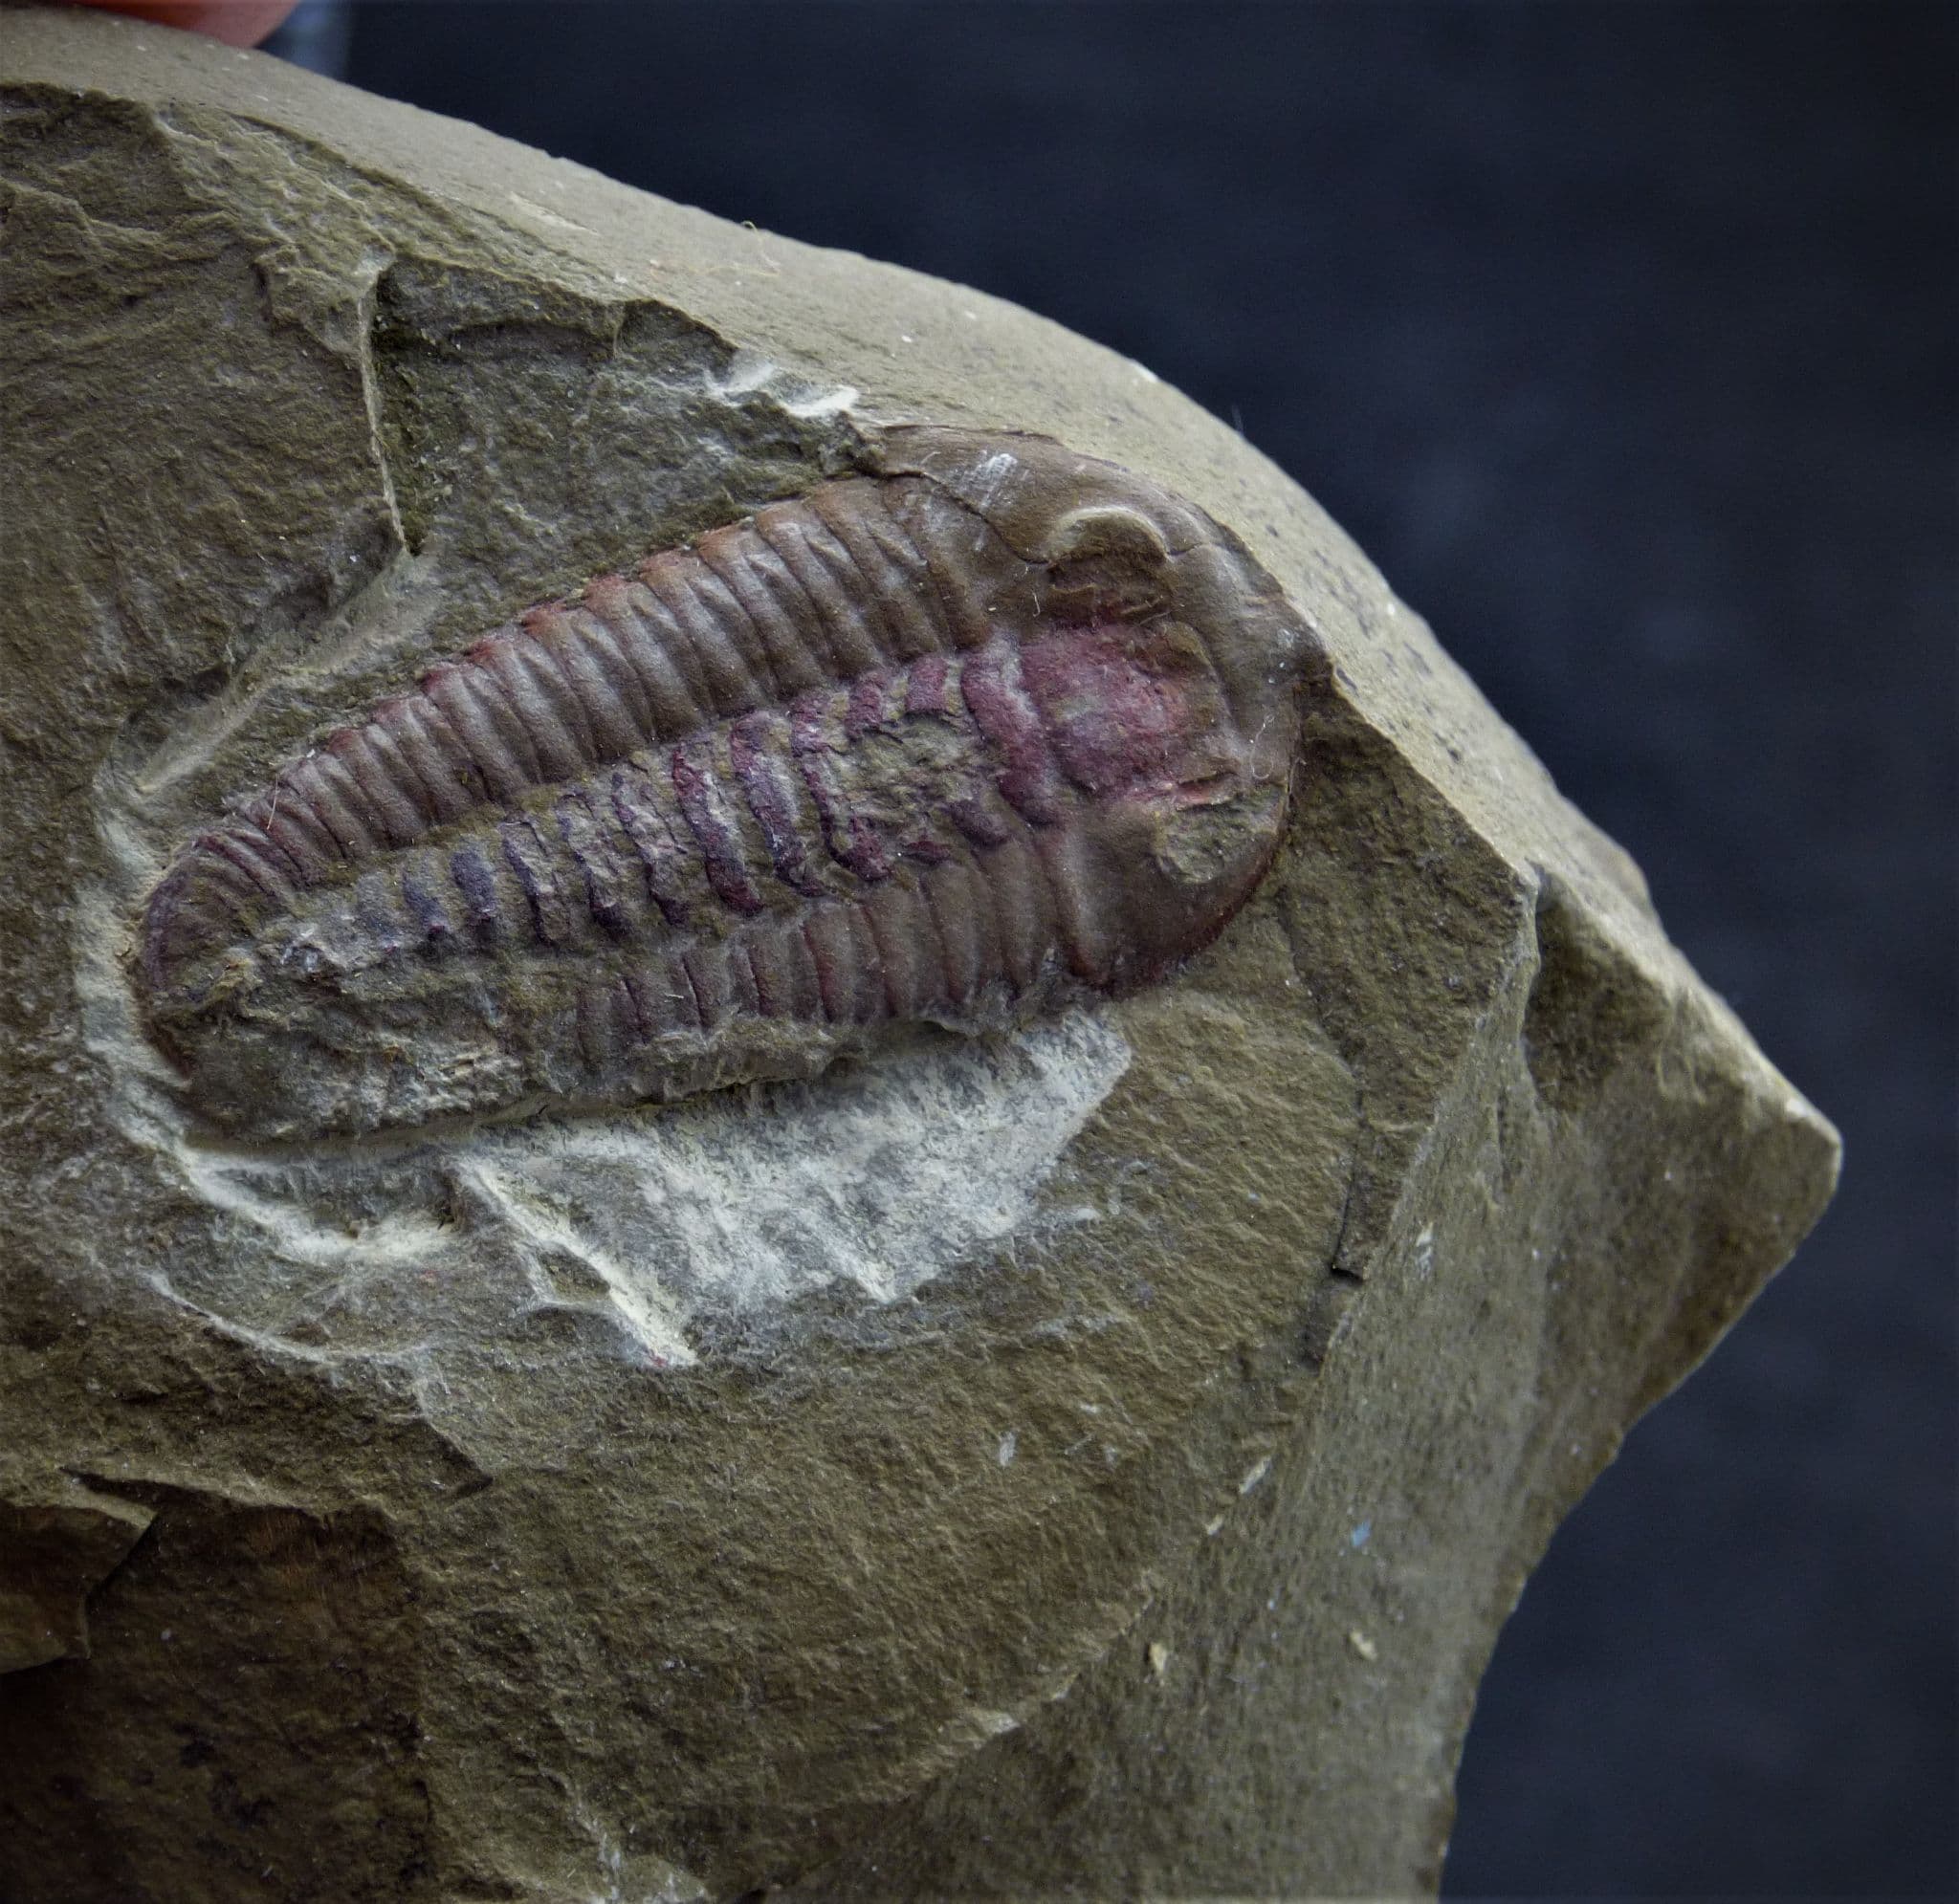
<point x="994" y="730"/>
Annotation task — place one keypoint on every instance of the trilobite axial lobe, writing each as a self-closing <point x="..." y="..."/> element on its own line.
<point x="998" y="729"/>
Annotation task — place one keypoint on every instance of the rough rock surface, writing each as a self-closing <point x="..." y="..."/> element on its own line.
<point x="1098" y="1455"/>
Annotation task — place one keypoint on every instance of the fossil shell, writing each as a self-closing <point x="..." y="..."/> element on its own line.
<point x="996" y="730"/>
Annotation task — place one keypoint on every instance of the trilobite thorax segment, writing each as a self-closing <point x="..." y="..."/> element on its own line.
<point x="994" y="730"/>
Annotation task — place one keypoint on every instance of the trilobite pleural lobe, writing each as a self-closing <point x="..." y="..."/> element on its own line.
<point x="996" y="729"/>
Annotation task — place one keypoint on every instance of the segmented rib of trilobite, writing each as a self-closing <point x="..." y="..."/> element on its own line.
<point x="995" y="730"/>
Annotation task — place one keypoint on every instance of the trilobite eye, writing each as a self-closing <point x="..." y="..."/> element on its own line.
<point x="1106" y="560"/>
<point x="1108" y="529"/>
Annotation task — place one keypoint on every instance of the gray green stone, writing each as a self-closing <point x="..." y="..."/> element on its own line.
<point x="1099" y="1461"/>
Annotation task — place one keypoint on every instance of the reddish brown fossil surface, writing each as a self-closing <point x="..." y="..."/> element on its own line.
<point x="995" y="729"/>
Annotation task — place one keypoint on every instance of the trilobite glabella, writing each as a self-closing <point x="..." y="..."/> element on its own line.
<point x="994" y="730"/>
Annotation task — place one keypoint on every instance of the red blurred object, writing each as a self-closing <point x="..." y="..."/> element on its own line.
<point x="235" y="22"/>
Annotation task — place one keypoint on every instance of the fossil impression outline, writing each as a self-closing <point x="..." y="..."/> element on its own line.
<point x="992" y="730"/>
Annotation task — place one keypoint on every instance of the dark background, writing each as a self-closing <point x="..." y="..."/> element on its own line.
<point x="1623" y="338"/>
